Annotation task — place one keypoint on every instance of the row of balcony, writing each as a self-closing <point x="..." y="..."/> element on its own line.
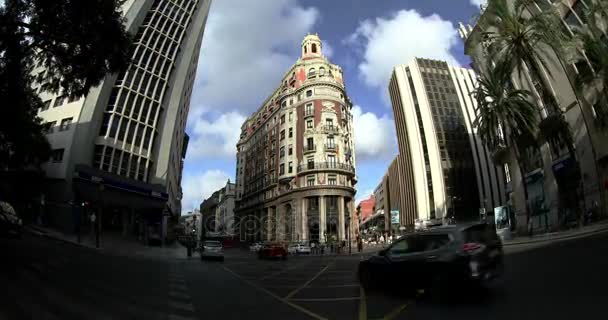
<point x="312" y="148"/>
<point x="326" y="166"/>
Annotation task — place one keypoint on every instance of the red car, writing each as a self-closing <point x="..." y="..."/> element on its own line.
<point x="272" y="251"/>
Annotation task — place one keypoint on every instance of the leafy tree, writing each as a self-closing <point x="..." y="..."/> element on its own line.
<point x="519" y="38"/>
<point x="594" y="43"/>
<point x="504" y="113"/>
<point x="77" y="42"/>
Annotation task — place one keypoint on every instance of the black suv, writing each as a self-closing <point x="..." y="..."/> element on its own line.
<point x="443" y="257"/>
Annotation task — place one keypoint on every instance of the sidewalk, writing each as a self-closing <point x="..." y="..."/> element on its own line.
<point x="112" y="243"/>
<point x="562" y="235"/>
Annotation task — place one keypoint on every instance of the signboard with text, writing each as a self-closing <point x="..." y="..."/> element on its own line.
<point x="394" y="216"/>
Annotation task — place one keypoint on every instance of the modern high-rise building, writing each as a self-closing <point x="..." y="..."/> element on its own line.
<point x="445" y="169"/>
<point x="121" y="147"/>
<point x="295" y="170"/>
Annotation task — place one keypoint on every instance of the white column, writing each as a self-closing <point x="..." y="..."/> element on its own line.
<point x="269" y="223"/>
<point x="322" y="218"/>
<point x="341" y="233"/>
<point x="279" y="223"/>
<point x="304" y="218"/>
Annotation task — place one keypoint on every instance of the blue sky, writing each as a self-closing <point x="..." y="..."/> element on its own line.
<point x="248" y="46"/>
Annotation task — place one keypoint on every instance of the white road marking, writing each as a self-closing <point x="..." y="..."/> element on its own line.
<point x="293" y="305"/>
<point x="181" y="306"/>
<point x="177" y="287"/>
<point x="325" y="299"/>
<point x="179" y="295"/>
<point x="291" y="294"/>
<point x="176" y="317"/>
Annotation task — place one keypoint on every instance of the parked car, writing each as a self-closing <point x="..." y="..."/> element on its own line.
<point x="439" y="259"/>
<point x="212" y="249"/>
<point x="272" y="251"/>
<point x="298" y="248"/>
<point x="10" y="224"/>
<point x="255" y="247"/>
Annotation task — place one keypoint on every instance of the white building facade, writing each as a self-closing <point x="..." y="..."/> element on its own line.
<point x="123" y="144"/>
<point x="440" y="154"/>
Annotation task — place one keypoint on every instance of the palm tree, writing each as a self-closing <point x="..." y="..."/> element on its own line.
<point x="594" y="43"/>
<point x="503" y="114"/>
<point x="519" y="36"/>
<point x="519" y="40"/>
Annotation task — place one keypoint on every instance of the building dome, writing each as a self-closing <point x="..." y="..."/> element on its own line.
<point x="312" y="46"/>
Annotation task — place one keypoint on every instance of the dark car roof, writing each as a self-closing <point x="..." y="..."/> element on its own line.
<point x="447" y="228"/>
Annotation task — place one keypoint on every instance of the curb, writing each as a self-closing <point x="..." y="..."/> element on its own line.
<point x="565" y="237"/>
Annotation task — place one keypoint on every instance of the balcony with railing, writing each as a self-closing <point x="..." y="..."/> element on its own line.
<point x="330" y="147"/>
<point x="309" y="148"/>
<point x="330" y="129"/>
<point x="324" y="166"/>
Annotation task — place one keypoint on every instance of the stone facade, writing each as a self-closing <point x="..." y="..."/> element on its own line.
<point x="295" y="175"/>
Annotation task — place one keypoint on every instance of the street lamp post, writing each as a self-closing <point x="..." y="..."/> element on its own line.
<point x="348" y="234"/>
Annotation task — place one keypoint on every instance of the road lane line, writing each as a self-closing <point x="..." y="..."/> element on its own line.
<point x="177" y="287"/>
<point x="179" y="294"/>
<point x="335" y="286"/>
<point x="325" y="299"/>
<point x="391" y="315"/>
<point x="176" y="317"/>
<point x="291" y="294"/>
<point x="362" y="304"/>
<point x="181" y="306"/>
<point x="293" y="305"/>
<point x="274" y="274"/>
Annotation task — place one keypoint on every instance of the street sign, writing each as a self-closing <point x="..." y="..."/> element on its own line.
<point x="394" y="216"/>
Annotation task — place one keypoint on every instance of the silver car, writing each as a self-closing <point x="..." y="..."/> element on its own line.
<point x="212" y="250"/>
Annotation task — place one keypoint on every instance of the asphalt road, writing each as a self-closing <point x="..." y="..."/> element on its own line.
<point x="44" y="279"/>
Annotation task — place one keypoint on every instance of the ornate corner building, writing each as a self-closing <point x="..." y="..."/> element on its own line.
<point x="295" y="168"/>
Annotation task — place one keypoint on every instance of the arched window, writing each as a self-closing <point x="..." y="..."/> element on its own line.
<point x="321" y="71"/>
<point x="311" y="72"/>
<point x="305" y="49"/>
<point x="314" y="48"/>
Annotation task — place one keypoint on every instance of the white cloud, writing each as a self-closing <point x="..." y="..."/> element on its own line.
<point x="217" y="138"/>
<point x="385" y="43"/>
<point x="478" y="3"/>
<point x="374" y="136"/>
<point x="328" y="50"/>
<point x="198" y="186"/>
<point x="246" y="51"/>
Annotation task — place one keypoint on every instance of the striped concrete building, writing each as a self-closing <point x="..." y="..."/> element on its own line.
<point x="444" y="167"/>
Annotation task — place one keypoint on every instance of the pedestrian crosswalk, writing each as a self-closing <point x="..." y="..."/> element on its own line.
<point x="179" y="300"/>
<point x="63" y="288"/>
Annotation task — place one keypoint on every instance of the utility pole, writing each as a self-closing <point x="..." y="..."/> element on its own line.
<point x="348" y="234"/>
